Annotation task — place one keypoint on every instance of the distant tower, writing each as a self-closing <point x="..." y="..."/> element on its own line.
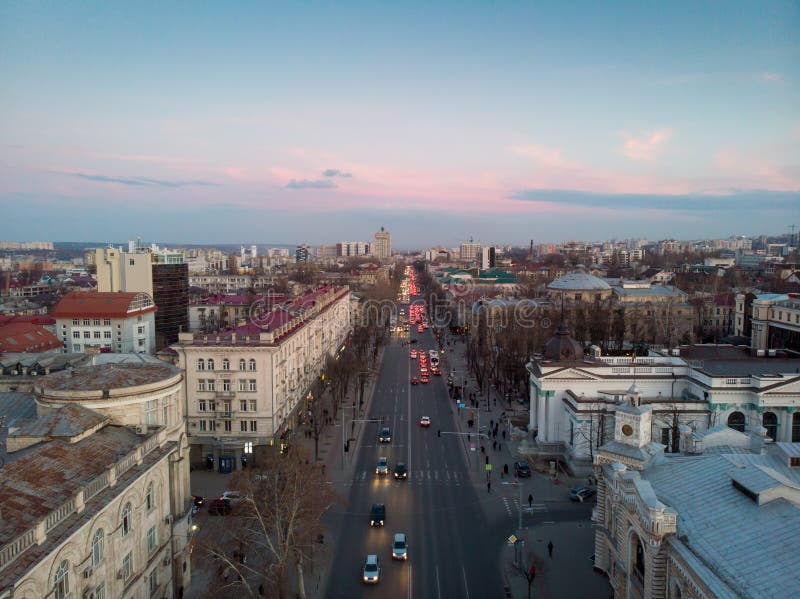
<point x="530" y="251"/>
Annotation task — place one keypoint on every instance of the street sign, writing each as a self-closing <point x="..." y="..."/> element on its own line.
<point x="512" y="539"/>
<point x="461" y="404"/>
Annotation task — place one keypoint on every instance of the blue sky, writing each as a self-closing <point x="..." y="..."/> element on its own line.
<point x="320" y="122"/>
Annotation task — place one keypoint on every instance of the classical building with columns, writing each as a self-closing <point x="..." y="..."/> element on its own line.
<point x="94" y="483"/>
<point x="575" y="396"/>
<point x="719" y="519"/>
<point x="246" y="386"/>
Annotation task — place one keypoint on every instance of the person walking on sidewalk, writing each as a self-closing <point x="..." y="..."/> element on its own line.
<point x="488" y="486"/>
<point x="530" y="500"/>
<point x="550" y="548"/>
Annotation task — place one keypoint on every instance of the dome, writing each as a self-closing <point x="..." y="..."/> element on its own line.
<point x="563" y="347"/>
<point x="579" y="281"/>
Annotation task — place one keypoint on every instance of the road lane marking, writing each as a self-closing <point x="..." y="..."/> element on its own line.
<point x="466" y="586"/>
<point x="438" y="588"/>
<point x="409" y="581"/>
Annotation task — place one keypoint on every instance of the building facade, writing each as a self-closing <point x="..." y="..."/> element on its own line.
<point x="246" y="384"/>
<point x="775" y="322"/>
<point x="382" y="248"/>
<point x="113" y="322"/>
<point x="171" y="296"/>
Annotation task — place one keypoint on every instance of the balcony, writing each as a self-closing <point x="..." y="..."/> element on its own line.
<point x="224" y="394"/>
<point x="225" y="415"/>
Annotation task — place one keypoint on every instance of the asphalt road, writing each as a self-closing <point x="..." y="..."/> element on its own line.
<point x="437" y="507"/>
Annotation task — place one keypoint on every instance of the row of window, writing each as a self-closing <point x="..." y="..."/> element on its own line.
<point x="90" y="334"/>
<point x="245" y="405"/>
<point x="88" y="322"/>
<point x="211" y="385"/>
<point x="769" y="420"/>
<point x="789" y="317"/>
<point x="226" y="364"/>
<point x="227" y="426"/>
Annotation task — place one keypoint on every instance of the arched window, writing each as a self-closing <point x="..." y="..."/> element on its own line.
<point x="770" y="422"/>
<point x="676" y="591"/>
<point x="636" y="556"/>
<point x="201" y="364"/>
<point x="126" y="519"/>
<point x="226" y="364"/>
<point x="796" y="427"/>
<point x="252" y="365"/>
<point x="210" y="364"/>
<point x="61" y="581"/>
<point x="97" y="547"/>
<point x="148" y="498"/>
<point x="736" y="421"/>
<point x="241" y="364"/>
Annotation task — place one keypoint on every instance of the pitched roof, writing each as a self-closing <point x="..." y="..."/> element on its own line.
<point x="24" y="337"/>
<point x="99" y="304"/>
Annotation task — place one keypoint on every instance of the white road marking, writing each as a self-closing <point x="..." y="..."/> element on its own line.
<point x="466" y="586"/>
<point x="438" y="588"/>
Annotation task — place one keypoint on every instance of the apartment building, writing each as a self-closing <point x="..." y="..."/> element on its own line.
<point x="382" y="247"/>
<point x="114" y="322"/>
<point x="245" y="385"/>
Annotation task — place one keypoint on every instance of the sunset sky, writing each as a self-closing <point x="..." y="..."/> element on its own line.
<point x="257" y="122"/>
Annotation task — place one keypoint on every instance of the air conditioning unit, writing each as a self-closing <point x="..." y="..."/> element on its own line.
<point x="141" y="430"/>
<point x="87" y="573"/>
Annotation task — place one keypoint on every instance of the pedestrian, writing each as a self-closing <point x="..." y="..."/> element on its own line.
<point x="489" y="487"/>
<point x="504" y="435"/>
<point x="550" y="548"/>
<point x="530" y="500"/>
<point x="499" y="447"/>
<point x="494" y="445"/>
<point x="491" y="424"/>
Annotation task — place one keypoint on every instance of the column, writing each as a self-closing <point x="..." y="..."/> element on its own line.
<point x="541" y="420"/>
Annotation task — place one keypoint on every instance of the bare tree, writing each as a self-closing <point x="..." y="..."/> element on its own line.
<point x="525" y="566"/>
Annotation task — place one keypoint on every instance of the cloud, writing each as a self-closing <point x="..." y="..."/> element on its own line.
<point x="769" y="77"/>
<point x="542" y="155"/>
<point x="332" y="172"/>
<point x="310" y="184"/>
<point x="735" y="200"/>
<point x="141" y="181"/>
<point x="645" y="146"/>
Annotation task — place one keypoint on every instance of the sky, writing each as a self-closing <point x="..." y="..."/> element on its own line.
<point x="319" y="122"/>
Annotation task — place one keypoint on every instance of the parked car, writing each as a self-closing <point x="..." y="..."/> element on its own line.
<point x="581" y="493"/>
<point x="234" y="496"/>
<point x="220" y="507"/>
<point x="400" y="471"/>
<point x="383" y="466"/>
<point x="197" y="500"/>
<point x="372" y="570"/>
<point x="400" y="547"/>
<point x="385" y="436"/>
<point x="522" y="469"/>
<point x="377" y="515"/>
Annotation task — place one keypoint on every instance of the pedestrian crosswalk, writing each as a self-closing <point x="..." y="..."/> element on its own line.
<point x="512" y="507"/>
<point x="418" y="477"/>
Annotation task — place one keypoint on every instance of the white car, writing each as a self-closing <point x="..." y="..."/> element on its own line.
<point x="383" y="466"/>
<point x="234" y="496"/>
<point x="372" y="569"/>
<point x="400" y="547"/>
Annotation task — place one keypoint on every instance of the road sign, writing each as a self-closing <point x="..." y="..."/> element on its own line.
<point x="461" y="404"/>
<point x="512" y="539"/>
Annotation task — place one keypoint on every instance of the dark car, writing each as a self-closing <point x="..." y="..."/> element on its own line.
<point x="377" y="515"/>
<point x="400" y="471"/>
<point x="581" y="493"/>
<point x="220" y="507"/>
<point x="522" y="469"/>
<point x="197" y="500"/>
<point x="385" y="436"/>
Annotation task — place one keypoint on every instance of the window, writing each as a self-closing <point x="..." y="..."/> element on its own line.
<point x="796" y="427"/>
<point x="96" y="334"/>
<point x="97" y="547"/>
<point x="140" y="330"/>
<point x="87" y="322"/>
<point x="202" y="425"/>
<point x="76" y="322"/>
<point x="131" y="262"/>
<point x="770" y="422"/>
<point x="87" y="335"/>
<point x="211" y="384"/>
<point x="153" y="582"/>
<point x="736" y="421"/>
<point x="212" y="406"/>
<point x="243" y="405"/>
<point x="61" y="581"/>
<point x="253" y="426"/>
<point x="150" y="412"/>
<point x="76" y="334"/>
<point x="76" y="347"/>
<point x="201" y="384"/>
<point x="148" y="498"/>
<point x="212" y="425"/>
<point x="210" y="364"/>
<point x="164" y="411"/>
<point x="251" y="384"/>
<point x="100" y="591"/>
<point x="151" y="539"/>
<point x="106" y="334"/>
<point x="226" y="385"/>
<point x="127" y="566"/>
<point x="126" y="519"/>
<point x="252" y="365"/>
<point x="201" y="405"/>
<point x="241" y="364"/>
<point x="242" y="385"/>
<point x="96" y="322"/>
<point x="227" y="425"/>
<point x="141" y="342"/>
<point x="201" y="364"/>
<point x="243" y="426"/>
<point x="253" y="405"/>
<point x="226" y="364"/>
<point x="107" y="322"/>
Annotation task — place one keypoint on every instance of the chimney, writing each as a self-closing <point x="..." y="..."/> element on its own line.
<point x="3" y="447"/>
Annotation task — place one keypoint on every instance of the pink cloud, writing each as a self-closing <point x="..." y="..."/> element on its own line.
<point x="645" y="146"/>
<point x="542" y="155"/>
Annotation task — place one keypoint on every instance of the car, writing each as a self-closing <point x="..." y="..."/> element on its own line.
<point x="424" y="380"/>
<point x="413" y="354"/>
<point x="415" y="381"/>
<point x="425" y="421"/>
<point x="522" y="469"/>
<point x="420" y="329"/>
<point x="372" y="570"/>
<point x="385" y="436"/>
<point x="400" y="471"/>
<point x="436" y="371"/>
<point x="423" y="371"/>
<point x="197" y="500"/>
<point x="377" y="515"/>
<point x="400" y="547"/>
<point x="383" y="466"/>
<point x="220" y="507"/>
<point x="581" y="493"/>
<point x="234" y="496"/>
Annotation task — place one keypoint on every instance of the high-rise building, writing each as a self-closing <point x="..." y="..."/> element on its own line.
<point x="488" y="257"/>
<point x="171" y="296"/>
<point x="382" y="248"/>
<point x="301" y="254"/>
<point x="352" y="248"/>
<point x="469" y="251"/>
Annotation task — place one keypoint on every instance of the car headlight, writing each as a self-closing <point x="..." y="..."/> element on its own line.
<point x="366" y="579"/>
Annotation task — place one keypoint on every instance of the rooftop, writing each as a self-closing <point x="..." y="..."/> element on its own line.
<point x="725" y="360"/>
<point x="579" y="281"/>
<point x="98" y="304"/>
<point x="100" y="374"/>
<point x="26" y="337"/>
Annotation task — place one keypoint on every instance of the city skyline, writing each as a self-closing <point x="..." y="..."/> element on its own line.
<point x="315" y="124"/>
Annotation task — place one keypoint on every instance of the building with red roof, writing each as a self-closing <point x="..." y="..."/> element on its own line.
<point x="25" y="337"/>
<point x="120" y="322"/>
